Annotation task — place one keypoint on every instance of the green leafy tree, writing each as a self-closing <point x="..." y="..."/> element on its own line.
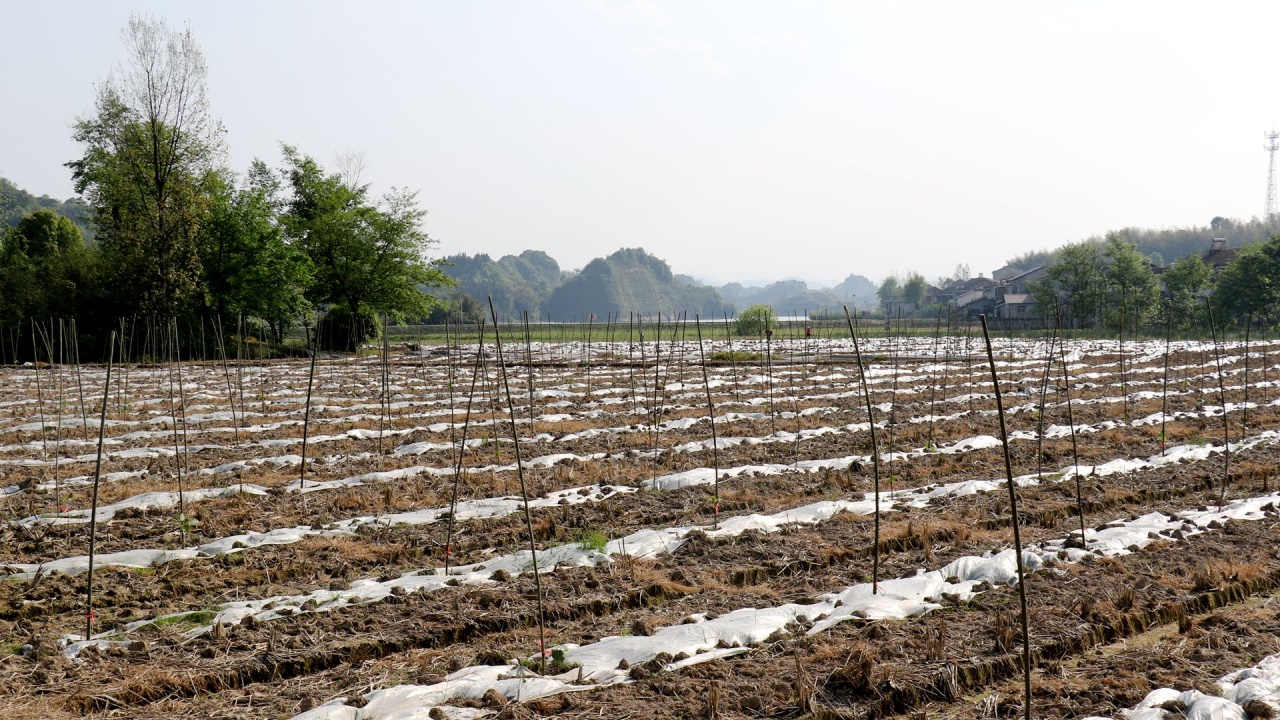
<point x="248" y="268"/>
<point x="365" y="258"/>
<point x="1250" y="286"/>
<point x="43" y="234"/>
<point x="889" y="291"/>
<point x="1184" y="282"/>
<point x="1076" y="283"/>
<point x="149" y="147"/>
<point x="755" y="320"/>
<point x="913" y="289"/>
<point x="46" y="270"/>
<point x="1133" y="292"/>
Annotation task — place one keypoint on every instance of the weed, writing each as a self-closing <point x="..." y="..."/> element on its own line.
<point x="555" y="663"/>
<point x="1124" y="601"/>
<point x="936" y="644"/>
<point x="734" y="356"/>
<point x="1006" y="634"/>
<point x="186" y="523"/>
<point x="1202" y="579"/>
<point x="1184" y="622"/>
<point x="591" y="539"/>
<point x="199" y="617"/>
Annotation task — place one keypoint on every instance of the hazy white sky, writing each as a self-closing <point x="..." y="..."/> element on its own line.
<point x="737" y="140"/>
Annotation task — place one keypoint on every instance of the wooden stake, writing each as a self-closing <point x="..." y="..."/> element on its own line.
<point x="306" y="413"/>
<point x="875" y="454"/>
<point x="462" y="449"/>
<point x="1017" y="534"/>
<point x="97" y="475"/>
<point x="524" y="495"/>
<point x="1071" y="422"/>
<point x="1164" y="400"/>
<point x="711" y="408"/>
<point x="1222" y="396"/>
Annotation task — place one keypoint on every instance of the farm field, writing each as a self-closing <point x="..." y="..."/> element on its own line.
<point x="687" y="566"/>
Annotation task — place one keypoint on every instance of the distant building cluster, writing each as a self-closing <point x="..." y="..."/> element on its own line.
<point x="1006" y="295"/>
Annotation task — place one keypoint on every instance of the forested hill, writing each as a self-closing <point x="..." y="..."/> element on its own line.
<point x="16" y="203"/>
<point x="631" y="280"/>
<point x="1169" y="244"/>
<point x="626" y="281"/>
<point x="516" y="282"/>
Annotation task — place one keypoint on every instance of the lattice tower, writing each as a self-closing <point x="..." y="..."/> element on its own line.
<point x="1273" y="144"/>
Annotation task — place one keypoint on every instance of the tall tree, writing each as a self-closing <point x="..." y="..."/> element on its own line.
<point x="1076" y="281"/>
<point x="1251" y="284"/>
<point x="1134" y="293"/>
<point x="1184" y="282"/>
<point x="366" y="257"/>
<point x="889" y="291"/>
<point x="248" y="268"/>
<point x="913" y="289"/>
<point x="46" y="269"/>
<point x="150" y="148"/>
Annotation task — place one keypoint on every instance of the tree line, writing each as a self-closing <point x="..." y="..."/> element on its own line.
<point x="1112" y="285"/>
<point x="178" y="234"/>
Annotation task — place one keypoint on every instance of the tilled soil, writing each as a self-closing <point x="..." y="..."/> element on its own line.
<point x="1104" y="632"/>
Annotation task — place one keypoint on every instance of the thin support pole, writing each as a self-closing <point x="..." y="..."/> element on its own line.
<point x="462" y="449"/>
<point x="1164" y="399"/>
<point x="875" y="454"/>
<point x="97" y="476"/>
<point x="1071" y="421"/>
<point x="306" y="413"/>
<point x="1017" y="534"/>
<point x="524" y="495"/>
<point x="711" y="408"/>
<point x="1222" y="397"/>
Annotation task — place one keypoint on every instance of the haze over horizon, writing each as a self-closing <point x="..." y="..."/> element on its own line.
<point x="735" y="140"/>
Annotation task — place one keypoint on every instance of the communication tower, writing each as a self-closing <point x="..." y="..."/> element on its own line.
<point x="1272" y="145"/>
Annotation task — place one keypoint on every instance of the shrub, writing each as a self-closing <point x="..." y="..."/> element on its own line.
<point x="755" y="320"/>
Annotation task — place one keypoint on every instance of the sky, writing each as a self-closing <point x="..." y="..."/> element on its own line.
<point x="739" y="141"/>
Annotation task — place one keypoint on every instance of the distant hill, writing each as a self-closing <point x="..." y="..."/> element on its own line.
<point x="631" y="280"/>
<point x="861" y="290"/>
<point x="516" y="282"/>
<point x="15" y="203"/>
<point x="795" y="296"/>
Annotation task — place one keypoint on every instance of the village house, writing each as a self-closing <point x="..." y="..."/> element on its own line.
<point x="1009" y="298"/>
<point x="1218" y="256"/>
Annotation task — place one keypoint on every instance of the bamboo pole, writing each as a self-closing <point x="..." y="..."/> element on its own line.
<point x="1017" y="534"/>
<point x="93" y="506"/>
<point x="1222" y="396"/>
<point x="875" y="454"/>
<point x="306" y="413"/>
<point x="711" y="409"/>
<point x="524" y="495"/>
<point x="462" y="449"/>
